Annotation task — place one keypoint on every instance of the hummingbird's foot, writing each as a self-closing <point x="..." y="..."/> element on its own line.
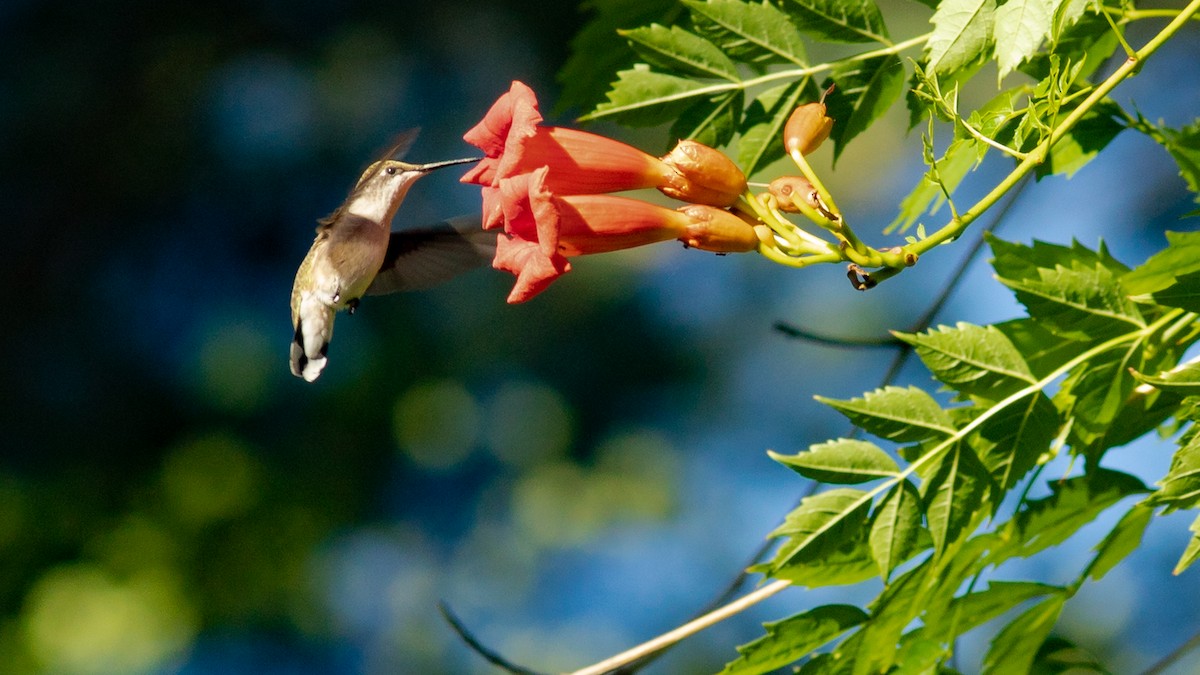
<point x="352" y="305"/>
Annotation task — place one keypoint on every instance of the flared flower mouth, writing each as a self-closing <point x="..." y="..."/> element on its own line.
<point x="548" y="187"/>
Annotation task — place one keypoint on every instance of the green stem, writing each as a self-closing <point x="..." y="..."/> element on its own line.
<point x="956" y="226"/>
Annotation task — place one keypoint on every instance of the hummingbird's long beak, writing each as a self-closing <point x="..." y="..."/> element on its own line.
<point x="426" y="168"/>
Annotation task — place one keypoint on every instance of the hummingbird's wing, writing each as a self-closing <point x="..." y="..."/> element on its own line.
<point x="427" y="256"/>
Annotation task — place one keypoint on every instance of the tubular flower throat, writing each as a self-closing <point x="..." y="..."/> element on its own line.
<point x="546" y="185"/>
<point x="544" y="229"/>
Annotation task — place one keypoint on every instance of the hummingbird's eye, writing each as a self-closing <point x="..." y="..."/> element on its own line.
<point x="391" y="171"/>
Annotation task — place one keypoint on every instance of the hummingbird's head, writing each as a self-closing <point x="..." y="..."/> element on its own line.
<point x="385" y="184"/>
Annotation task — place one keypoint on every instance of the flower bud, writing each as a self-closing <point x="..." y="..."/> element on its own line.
<point x="718" y="230"/>
<point x="789" y="191"/>
<point x="702" y="175"/>
<point x="806" y="129"/>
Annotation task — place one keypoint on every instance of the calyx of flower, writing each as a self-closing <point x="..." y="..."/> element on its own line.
<point x="702" y="175"/>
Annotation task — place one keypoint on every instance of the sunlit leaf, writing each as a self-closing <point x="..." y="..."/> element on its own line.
<point x="1180" y="258"/>
<point x="896" y="413"/>
<point x="1184" y="380"/>
<point x="864" y="91"/>
<point x="839" y="20"/>
<point x="749" y="31"/>
<point x="1074" y="502"/>
<point x="1072" y="291"/>
<point x="962" y="34"/>
<point x="842" y="461"/>
<point x="1020" y="27"/>
<point x="821" y="524"/>
<point x="1041" y="350"/>
<point x="1181" y="486"/>
<point x="677" y="50"/>
<point x="1184" y="146"/>
<point x="793" y="638"/>
<point x="1012" y="650"/>
<point x="976" y="608"/>
<point x="1010" y="442"/>
<point x="954" y="495"/>
<point x="895" y="526"/>
<point x="980" y="361"/>
<point x="1192" y="551"/>
<point x="1122" y="540"/>
<point x="642" y="97"/>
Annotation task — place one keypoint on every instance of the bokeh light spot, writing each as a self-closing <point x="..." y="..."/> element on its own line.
<point x="79" y="620"/>
<point x="436" y="424"/>
<point x="211" y="478"/>
<point x="235" y="366"/>
<point x="528" y="423"/>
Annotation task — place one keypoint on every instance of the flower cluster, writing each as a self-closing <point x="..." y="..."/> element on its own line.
<point x="548" y="188"/>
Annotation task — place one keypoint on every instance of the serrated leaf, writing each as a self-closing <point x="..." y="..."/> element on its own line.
<point x="1014" y="648"/>
<point x="1181" y="257"/>
<point x="1192" y="551"/>
<point x="1184" y="380"/>
<point x="842" y="461"/>
<point x="598" y="52"/>
<point x="962" y="35"/>
<point x="1020" y="27"/>
<point x="762" y="126"/>
<point x="1181" y="486"/>
<point x="1042" y="350"/>
<point x="1184" y="146"/>
<point x="749" y="31"/>
<point x="899" y="414"/>
<point x="974" y="609"/>
<point x="1184" y="293"/>
<point x="955" y="495"/>
<point x="821" y="524"/>
<point x="711" y="122"/>
<point x="1074" y="502"/>
<point x="980" y="361"/>
<point x="793" y="638"/>
<point x="839" y="20"/>
<point x="1010" y="442"/>
<point x="1072" y="291"/>
<point x="1057" y="655"/>
<point x="677" y="50"/>
<point x="864" y="91"/>
<point x="895" y="526"/>
<point x="1087" y="40"/>
<point x="642" y="97"/>
<point x="1091" y="134"/>
<point x="1122" y="540"/>
<point x="850" y="563"/>
<point x="1094" y="393"/>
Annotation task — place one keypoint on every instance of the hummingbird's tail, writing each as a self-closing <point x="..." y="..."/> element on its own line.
<point x="310" y="343"/>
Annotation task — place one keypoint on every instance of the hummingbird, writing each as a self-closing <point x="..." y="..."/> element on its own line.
<point x="356" y="253"/>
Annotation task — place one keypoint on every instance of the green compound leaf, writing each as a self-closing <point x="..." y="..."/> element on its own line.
<point x="1072" y="291"/>
<point x="979" y="361"/>
<point x="1181" y="257"/>
<point x="1184" y="380"/>
<point x="1010" y="442"/>
<point x="1192" y="551"/>
<point x="1094" y="131"/>
<point x="899" y="414"/>
<point x="793" y="638"/>
<point x="642" y="97"/>
<point x="895" y="527"/>
<point x="1121" y="541"/>
<point x="842" y="461"/>
<point x="1013" y="650"/>
<point x="1181" y="486"/>
<point x="749" y="32"/>
<point x="864" y="91"/>
<point x="974" y="609"/>
<point x="1020" y="27"/>
<point x="838" y="20"/>
<point x="761" y="141"/>
<point x="821" y="525"/>
<point x="962" y="35"/>
<point x="954" y="494"/>
<point x="677" y="50"/>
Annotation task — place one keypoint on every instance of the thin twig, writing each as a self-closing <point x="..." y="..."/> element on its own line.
<point x="794" y="331"/>
<point x="478" y="647"/>
<point x="1170" y="659"/>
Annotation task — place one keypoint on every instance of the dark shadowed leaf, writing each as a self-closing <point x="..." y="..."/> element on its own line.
<point x="863" y="93"/>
